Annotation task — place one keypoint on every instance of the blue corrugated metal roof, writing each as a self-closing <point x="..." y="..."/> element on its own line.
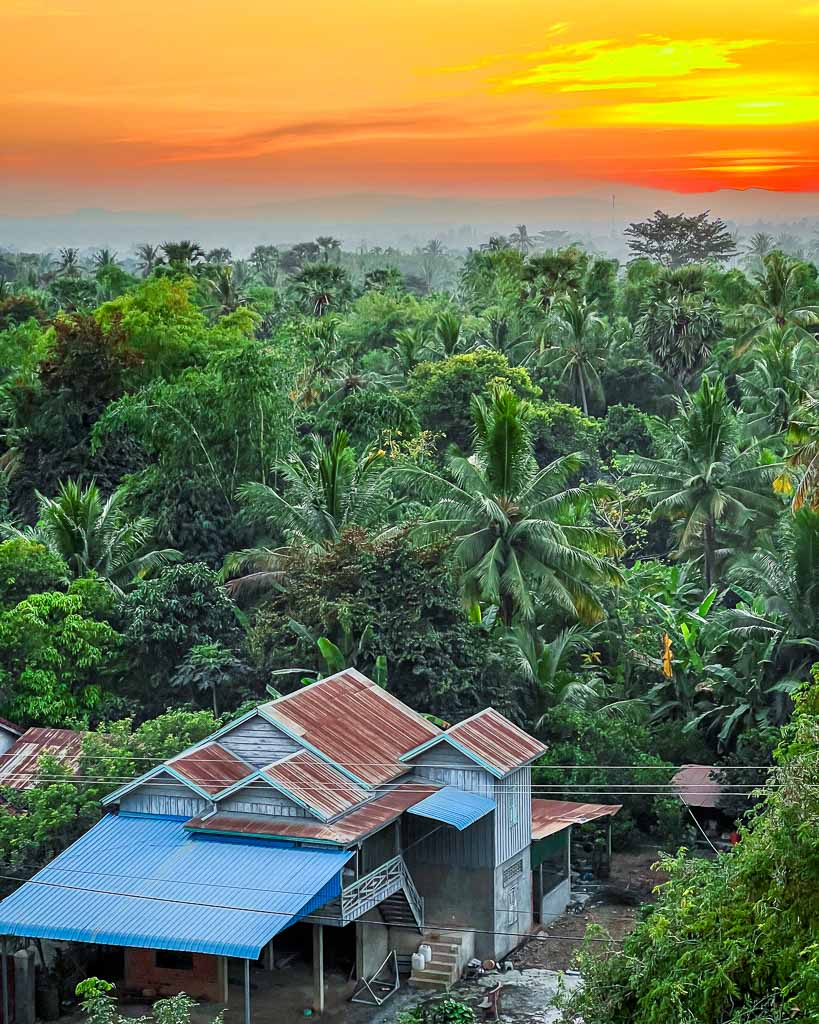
<point x="145" y="881"/>
<point x="454" y="807"/>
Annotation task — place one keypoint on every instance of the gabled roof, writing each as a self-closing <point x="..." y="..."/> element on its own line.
<point x="353" y="723"/>
<point x="20" y="765"/>
<point x="349" y="829"/>
<point x="211" y="767"/>
<point x="550" y="816"/>
<point x="490" y="740"/>
<point x="315" y="784"/>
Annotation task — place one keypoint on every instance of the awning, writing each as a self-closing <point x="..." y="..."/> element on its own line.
<point x="550" y="816"/>
<point x="143" y="881"/>
<point x="454" y="806"/>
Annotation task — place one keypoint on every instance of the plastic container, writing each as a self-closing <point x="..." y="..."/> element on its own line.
<point x="418" y="962"/>
<point x="426" y="952"/>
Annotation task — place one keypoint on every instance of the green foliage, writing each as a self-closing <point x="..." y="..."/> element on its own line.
<point x="441" y="392"/>
<point x="730" y="940"/>
<point x="559" y="429"/>
<point x="626" y="431"/>
<point x="100" y="1007"/>
<point x="55" y="654"/>
<point x="28" y="567"/>
<point x="392" y="599"/>
<point x="183" y="607"/>
<point x="443" y="1011"/>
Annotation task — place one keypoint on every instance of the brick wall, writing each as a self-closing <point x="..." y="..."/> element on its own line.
<point x="207" y="980"/>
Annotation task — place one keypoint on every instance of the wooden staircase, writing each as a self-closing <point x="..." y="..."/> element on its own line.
<point x="445" y="967"/>
<point x="396" y="910"/>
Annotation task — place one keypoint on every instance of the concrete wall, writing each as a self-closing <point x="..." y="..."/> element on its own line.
<point x="372" y="943"/>
<point x="554" y="902"/>
<point x="207" y="980"/>
<point x="512" y="885"/>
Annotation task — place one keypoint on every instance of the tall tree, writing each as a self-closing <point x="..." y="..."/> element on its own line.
<point x="580" y="349"/>
<point x="708" y="479"/>
<point x="93" y="534"/>
<point x="677" y="240"/>
<point x="521" y="534"/>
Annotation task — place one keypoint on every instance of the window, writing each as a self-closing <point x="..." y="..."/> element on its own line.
<point x="512" y="873"/>
<point x="173" y="960"/>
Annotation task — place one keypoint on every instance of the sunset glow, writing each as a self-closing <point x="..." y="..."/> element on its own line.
<point x="144" y="105"/>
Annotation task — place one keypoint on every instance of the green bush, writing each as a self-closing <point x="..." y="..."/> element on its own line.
<point x="559" y="429"/>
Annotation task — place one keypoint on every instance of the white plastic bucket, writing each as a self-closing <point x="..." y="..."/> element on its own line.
<point x="426" y="952"/>
<point x="418" y="962"/>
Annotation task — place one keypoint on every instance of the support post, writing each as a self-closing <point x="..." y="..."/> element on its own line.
<point x="247" y="992"/>
<point x="608" y="848"/>
<point x="5" y="958"/>
<point x="318" y="969"/>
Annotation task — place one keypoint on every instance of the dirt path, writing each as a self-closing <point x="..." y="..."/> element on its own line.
<point x="631" y="883"/>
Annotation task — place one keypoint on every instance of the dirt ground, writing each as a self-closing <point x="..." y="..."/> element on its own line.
<point x="631" y="883"/>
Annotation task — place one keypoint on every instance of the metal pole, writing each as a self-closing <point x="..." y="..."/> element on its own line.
<point x="247" y="991"/>
<point x="318" y="968"/>
<point x="5" y="982"/>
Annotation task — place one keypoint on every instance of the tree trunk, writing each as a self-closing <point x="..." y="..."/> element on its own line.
<point x="583" y="401"/>
<point x="709" y="542"/>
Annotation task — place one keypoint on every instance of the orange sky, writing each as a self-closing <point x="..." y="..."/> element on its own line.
<point x="154" y="103"/>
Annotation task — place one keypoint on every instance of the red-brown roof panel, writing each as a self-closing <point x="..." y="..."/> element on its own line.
<point x="211" y="768"/>
<point x="496" y="741"/>
<point x="550" y="816"/>
<point x="351" y="828"/>
<point x="354" y="723"/>
<point x="316" y="783"/>
<point x="696" y="785"/>
<point x="19" y="766"/>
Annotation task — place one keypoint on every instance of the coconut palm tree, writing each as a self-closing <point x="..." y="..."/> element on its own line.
<point x="522" y="240"/>
<point x="149" y="258"/>
<point x="803" y="439"/>
<point x="779" y="301"/>
<point x="265" y="261"/>
<point x="68" y="263"/>
<point x="708" y="480"/>
<point x="103" y="258"/>
<point x="409" y="350"/>
<point x="97" y="535"/>
<point x="758" y="247"/>
<point x="446" y="334"/>
<point x="521" y="535"/>
<point x="784" y="574"/>
<point x="580" y="351"/>
<point x="546" y="665"/>
<point x="225" y="286"/>
<point x="776" y="384"/>
<point x="320" y="496"/>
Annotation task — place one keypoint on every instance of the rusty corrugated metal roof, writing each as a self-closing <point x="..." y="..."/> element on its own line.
<point x="354" y="723"/>
<point x="19" y="766"/>
<point x="351" y="828"/>
<point x="696" y="786"/>
<point x="315" y="783"/>
<point x="550" y="816"/>
<point x="11" y="727"/>
<point x="211" y="768"/>
<point x="495" y="741"/>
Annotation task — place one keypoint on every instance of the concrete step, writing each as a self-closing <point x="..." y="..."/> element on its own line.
<point x="428" y="983"/>
<point x="442" y="967"/>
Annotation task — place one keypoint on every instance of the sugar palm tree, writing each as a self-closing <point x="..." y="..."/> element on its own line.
<point x="521" y="535"/>
<point x="330" y="247"/>
<point x="579" y="352"/>
<point x="97" y="535"/>
<point x="679" y="323"/>
<point x="319" y="497"/>
<point x="183" y="255"/>
<point x="708" y="480"/>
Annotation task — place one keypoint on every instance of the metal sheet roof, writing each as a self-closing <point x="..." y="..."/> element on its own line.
<point x="11" y="727"/>
<point x="550" y="816"/>
<point x="490" y="740"/>
<point x="354" y="723"/>
<point x="211" y="767"/>
<point x="696" y="785"/>
<point x="349" y="829"/>
<point x="20" y="765"/>
<point x="148" y="882"/>
<point x="315" y="784"/>
<point x="455" y="807"/>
